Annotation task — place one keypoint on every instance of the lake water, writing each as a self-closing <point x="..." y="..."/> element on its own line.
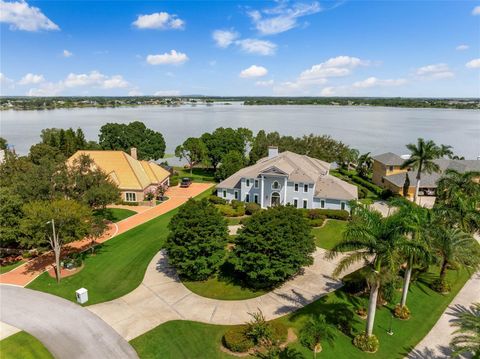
<point x="374" y="129"/>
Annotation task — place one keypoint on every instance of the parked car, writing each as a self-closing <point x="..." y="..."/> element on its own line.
<point x="186" y="182"/>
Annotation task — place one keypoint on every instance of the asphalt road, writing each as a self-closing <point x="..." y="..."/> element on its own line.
<point x="66" y="329"/>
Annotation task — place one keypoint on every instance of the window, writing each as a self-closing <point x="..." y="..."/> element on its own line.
<point x="248" y="182"/>
<point x="255" y="198"/>
<point x="305" y="188"/>
<point x="130" y="197"/>
<point x="247" y="198"/>
<point x="256" y="183"/>
<point x="224" y="193"/>
<point x="305" y="203"/>
<point x="342" y="206"/>
<point x="295" y="203"/>
<point x="296" y="187"/>
<point x="322" y="203"/>
<point x="390" y="168"/>
<point x="236" y="195"/>
<point x="275" y="185"/>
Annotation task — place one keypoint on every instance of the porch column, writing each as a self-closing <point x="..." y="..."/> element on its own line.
<point x="261" y="192"/>
<point x="285" y="192"/>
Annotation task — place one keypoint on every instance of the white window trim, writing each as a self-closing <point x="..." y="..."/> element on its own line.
<point x="305" y="201"/>
<point x="235" y="195"/>
<point x="279" y="186"/>
<point x="295" y="187"/>
<point x="305" y="184"/>
<point x="256" y="183"/>
<point x="255" y="198"/>
<point x="295" y="199"/>
<point x="134" y="196"/>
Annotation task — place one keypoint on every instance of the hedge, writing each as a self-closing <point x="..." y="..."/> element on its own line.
<point x="216" y="200"/>
<point x="326" y="213"/>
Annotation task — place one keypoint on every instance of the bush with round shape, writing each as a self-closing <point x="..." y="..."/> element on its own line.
<point x="174" y="181"/>
<point x="216" y="200"/>
<point x="318" y="222"/>
<point x="441" y="286"/>
<point x="366" y="343"/>
<point x="236" y="340"/>
<point x="272" y="246"/>
<point x="401" y="312"/>
<point x="252" y="208"/>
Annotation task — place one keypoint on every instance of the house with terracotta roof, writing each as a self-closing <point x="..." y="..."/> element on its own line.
<point x="134" y="178"/>
<point x="388" y="174"/>
<point x="288" y="178"/>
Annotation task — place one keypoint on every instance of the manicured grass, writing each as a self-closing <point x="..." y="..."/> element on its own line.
<point x="184" y="339"/>
<point x="329" y="234"/>
<point x="23" y="345"/>
<point x="114" y="214"/>
<point x="9" y="267"/>
<point x="118" y="265"/>
<point x="197" y="175"/>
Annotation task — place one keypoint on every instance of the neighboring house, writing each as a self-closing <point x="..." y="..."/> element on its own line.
<point x="388" y="174"/>
<point x="134" y="178"/>
<point x="288" y="178"/>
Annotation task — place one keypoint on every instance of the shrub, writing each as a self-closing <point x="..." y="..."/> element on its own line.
<point x="174" y="181"/>
<point x="325" y="213"/>
<point x="314" y="214"/>
<point x="216" y="200"/>
<point x="252" y="208"/>
<point x="386" y="194"/>
<point x="440" y="286"/>
<point x="316" y="330"/>
<point x="149" y="196"/>
<point x="317" y="222"/>
<point x="272" y="246"/>
<point x="228" y="211"/>
<point x="355" y="282"/>
<point x="197" y="240"/>
<point x="401" y="312"/>
<point x="236" y="339"/>
<point x="366" y="343"/>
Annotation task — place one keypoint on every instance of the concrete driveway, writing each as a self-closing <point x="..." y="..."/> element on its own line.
<point x="66" y="329"/>
<point x="162" y="297"/>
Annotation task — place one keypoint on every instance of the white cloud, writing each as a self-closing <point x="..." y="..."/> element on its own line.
<point x="334" y="67"/>
<point x="46" y="89"/>
<point x="476" y="10"/>
<point x="224" y="38"/>
<point x="159" y="20"/>
<point x="462" y="47"/>
<point x="114" y="82"/>
<point x="167" y="93"/>
<point x="171" y="58"/>
<point x="282" y="17"/>
<point x="435" y="71"/>
<point x="135" y="92"/>
<point x="5" y="83"/>
<point x="31" y="79"/>
<point x="328" y="91"/>
<point x="267" y="83"/>
<point x="67" y="53"/>
<point x="375" y="82"/>
<point x="473" y="64"/>
<point x="259" y="47"/>
<point x="253" y="71"/>
<point x="22" y="16"/>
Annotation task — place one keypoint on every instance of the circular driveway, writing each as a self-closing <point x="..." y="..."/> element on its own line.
<point x="66" y="329"/>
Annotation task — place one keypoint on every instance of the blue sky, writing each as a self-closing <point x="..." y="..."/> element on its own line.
<point x="294" y="48"/>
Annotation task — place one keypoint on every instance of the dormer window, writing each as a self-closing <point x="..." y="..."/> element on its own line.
<point x="276" y="185"/>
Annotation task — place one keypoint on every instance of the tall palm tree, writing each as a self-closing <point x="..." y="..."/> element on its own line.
<point x="446" y="150"/>
<point x="467" y="339"/>
<point x="454" y="184"/>
<point x="415" y="221"/>
<point x="453" y="246"/>
<point x="422" y="156"/>
<point x="375" y="241"/>
<point x="364" y="164"/>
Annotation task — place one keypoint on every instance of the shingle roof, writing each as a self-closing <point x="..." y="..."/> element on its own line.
<point x="389" y="159"/>
<point x="430" y="179"/>
<point x="298" y="168"/>
<point x="124" y="170"/>
<point x="332" y="187"/>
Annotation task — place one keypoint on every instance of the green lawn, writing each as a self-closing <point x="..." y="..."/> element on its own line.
<point x="184" y="339"/>
<point x="118" y="265"/>
<point x="197" y="175"/>
<point x="9" y="267"/>
<point x="114" y="214"/>
<point x="329" y="234"/>
<point x="23" y="345"/>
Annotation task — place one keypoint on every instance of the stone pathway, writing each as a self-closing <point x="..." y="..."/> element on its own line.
<point x="162" y="297"/>
<point x="27" y="272"/>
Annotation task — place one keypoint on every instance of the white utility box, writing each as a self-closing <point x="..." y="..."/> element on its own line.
<point x="82" y="295"/>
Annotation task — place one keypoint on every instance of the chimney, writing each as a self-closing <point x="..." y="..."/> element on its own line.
<point x="133" y="152"/>
<point x="272" y="151"/>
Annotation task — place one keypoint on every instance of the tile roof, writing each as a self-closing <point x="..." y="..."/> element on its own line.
<point x="124" y="170"/>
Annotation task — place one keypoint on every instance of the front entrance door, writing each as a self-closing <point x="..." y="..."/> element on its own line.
<point x="275" y="200"/>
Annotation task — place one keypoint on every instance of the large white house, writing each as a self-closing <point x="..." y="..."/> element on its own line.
<point x="288" y="178"/>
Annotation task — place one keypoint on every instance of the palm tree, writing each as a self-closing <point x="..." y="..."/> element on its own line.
<point x="374" y="240"/>
<point x="468" y="338"/>
<point x="315" y="330"/>
<point x="422" y="156"/>
<point x="446" y="150"/>
<point x="454" y="184"/>
<point x="364" y="164"/>
<point x="453" y="246"/>
<point x="415" y="221"/>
